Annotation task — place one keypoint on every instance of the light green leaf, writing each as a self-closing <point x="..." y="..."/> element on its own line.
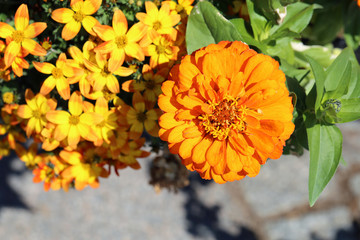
<point x="258" y="21"/>
<point x="337" y="70"/>
<point x="206" y="25"/>
<point x="320" y="76"/>
<point x="325" y="145"/>
<point x="349" y="110"/>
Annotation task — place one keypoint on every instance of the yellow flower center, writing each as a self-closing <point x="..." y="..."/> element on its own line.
<point x="46" y="45"/>
<point x="150" y="84"/>
<point x="36" y="114"/>
<point x="79" y="16"/>
<point x="57" y="73"/>
<point x="156" y="25"/>
<point x="8" y="97"/>
<point x="108" y="95"/>
<point x="74" y="120"/>
<point x="160" y="49"/>
<point x="226" y="116"/>
<point x="18" y="36"/>
<point x="141" y="117"/>
<point x="121" y="41"/>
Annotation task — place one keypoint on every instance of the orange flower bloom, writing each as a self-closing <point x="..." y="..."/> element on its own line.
<point x="21" y="38"/>
<point x="78" y="15"/>
<point x="358" y="3"/>
<point x="227" y="110"/>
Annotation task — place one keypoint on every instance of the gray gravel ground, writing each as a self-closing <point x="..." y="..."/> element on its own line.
<point x="272" y="205"/>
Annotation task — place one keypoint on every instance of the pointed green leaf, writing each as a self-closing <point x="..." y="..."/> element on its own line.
<point x="325" y="145"/>
<point x="206" y="25"/>
<point x="320" y="76"/>
<point x="352" y="22"/>
<point x="257" y="20"/>
<point x="337" y="69"/>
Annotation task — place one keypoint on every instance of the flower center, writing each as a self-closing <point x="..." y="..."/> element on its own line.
<point x="156" y="25"/>
<point x="105" y="71"/>
<point x="121" y="41"/>
<point x="150" y="84"/>
<point x="74" y="120"/>
<point x="18" y="36"/>
<point x="37" y="114"/>
<point x="226" y="116"/>
<point x="57" y="73"/>
<point x="160" y="49"/>
<point x="79" y="16"/>
<point x="141" y="117"/>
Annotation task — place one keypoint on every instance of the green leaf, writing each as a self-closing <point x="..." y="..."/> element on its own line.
<point x="258" y="22"/>
<point x="325" y="145"/>
<point x="206" y="25"/>
<point x="297" y="17"/>
<point x="354" y="84"/>
<point x="337" y="70"/>
<point x="245" y="35"/>
<point x="320" y="76"/>
<point x="349" y="110"/>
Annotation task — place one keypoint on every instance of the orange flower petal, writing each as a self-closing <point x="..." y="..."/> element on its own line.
<point x="88" y="23"/>
<point x="76" y="104"/>
<point x="34" y="29"/>
<point x="70" y="30"/>
<point x="22" y="17"/>
<point x="62" y="15"/>
<point x="33" y="47"/>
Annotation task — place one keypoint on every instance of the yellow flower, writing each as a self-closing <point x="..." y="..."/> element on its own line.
<point x="162" y="52"/>
<point x="60" y="76"/>
<point x="21" y="38"/>
<point x="120" y="42"/>
<point x="183" y="7"/>
<point x="8" y="97"/>
<point x="35" y="111"/>
<point x="29" y="156"/>
<point x="78" y="15"/>
<point x="157" y="22"/>
<point x="138" y="117"/>
<point x="73" y="125"/>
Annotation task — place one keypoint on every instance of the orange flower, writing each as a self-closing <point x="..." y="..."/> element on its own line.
<point x="78" y="15"/>
<point x="21" y="38"/>
<point x="183" y="7"/>
<point x="227" y="110"/>
<point x="358" y="3"/>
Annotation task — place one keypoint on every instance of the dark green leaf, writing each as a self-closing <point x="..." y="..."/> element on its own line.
<point x="325" y="145"/>
<point x="352" y="23"/>
<point x="206" y="25"/>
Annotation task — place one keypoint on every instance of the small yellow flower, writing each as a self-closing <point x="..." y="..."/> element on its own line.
<point x="8" y="97"/>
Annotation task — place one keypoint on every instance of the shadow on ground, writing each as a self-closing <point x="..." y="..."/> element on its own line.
<point x="8" y="196"/>
<point x="202" y="219"/>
